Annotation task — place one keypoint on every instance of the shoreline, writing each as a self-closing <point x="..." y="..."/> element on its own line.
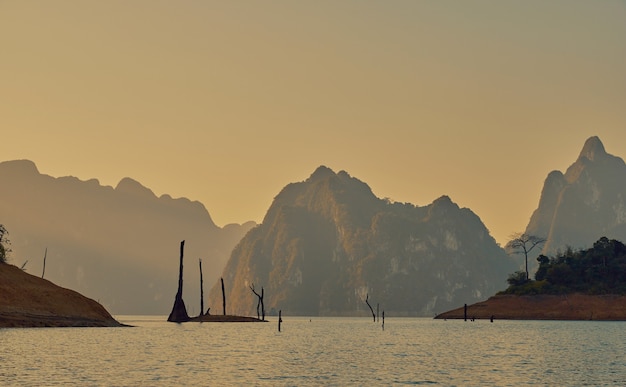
<point x="575" y="307"/>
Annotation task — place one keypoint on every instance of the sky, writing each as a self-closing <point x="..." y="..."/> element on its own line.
<point x="226" y="102"/>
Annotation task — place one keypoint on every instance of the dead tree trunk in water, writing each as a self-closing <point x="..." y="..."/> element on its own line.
<point x="260" y="307"/>
<point x="223" y="297"/>
<point x="258" y="304"/>
<point x="179" y="311"/>
<point x="368" y="304"/>
<point x="262" y="304"/>
<point x="201" y="289"/>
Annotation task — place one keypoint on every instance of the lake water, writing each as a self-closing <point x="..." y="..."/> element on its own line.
<point x="318" y="351"/>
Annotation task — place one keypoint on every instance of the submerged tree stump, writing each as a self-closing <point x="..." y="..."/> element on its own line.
<point x="260" y="306"/>
<point x="179" y="311"/>
<point x="201" y="289"/>
<point x="223" y="297"/>
<point x="368" y="304"/>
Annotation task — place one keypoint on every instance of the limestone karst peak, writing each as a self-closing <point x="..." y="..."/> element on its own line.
<point x="327" y="242"/>
<point x="592" y="149"/>
<point x="322" y="172"/>
<point x="443" y="200"/>
<point x="587" y="202"/>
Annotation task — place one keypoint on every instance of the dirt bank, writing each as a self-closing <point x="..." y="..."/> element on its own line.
<point x="545" y="307"/>
<point x="29" y="301"/>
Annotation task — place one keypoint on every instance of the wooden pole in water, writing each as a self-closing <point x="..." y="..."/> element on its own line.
<point x="465" y="312"/>
<point x="383" y="320"/>
<point x="280" y="319"/>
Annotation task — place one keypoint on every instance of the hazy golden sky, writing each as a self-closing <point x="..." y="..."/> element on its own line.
<point x="227" y="102"/>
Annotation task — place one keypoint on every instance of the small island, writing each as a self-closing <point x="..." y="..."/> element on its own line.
<point x="575" y="285"/>
<point x="225" y="318"/>
<point x="179" y="310"/>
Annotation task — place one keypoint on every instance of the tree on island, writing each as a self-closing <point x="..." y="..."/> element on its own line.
<point x="4" y="249"/>
<point x="597" y="270"/>
<point x="523" y="243"/>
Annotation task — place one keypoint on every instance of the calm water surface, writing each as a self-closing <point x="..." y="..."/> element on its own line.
<point x="318" y="351"/>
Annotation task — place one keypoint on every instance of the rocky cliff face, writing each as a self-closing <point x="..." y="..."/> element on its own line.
<point x="118" y="245"/>
<point x="585" y="203"/>
<point x="327" y="243"/>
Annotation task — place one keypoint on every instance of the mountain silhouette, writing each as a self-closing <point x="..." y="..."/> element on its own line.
<point x="584" y="204"/>
<point x="116" y="245"/>
<point x="328" y="243"/>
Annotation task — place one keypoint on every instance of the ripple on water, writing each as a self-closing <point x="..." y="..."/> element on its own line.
<point x="318" y="351"/>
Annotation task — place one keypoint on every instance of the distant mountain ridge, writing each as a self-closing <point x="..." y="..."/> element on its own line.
<point x="584" y="204"/>
<point x="118" y="245"/>
<point x="324" y="243"/>
<point x="328" y="242"/>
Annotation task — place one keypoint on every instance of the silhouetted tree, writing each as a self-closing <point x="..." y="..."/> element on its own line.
<point x="542" y="271"/>
<point x="523" y="243"/>
<point x="4" y="242"/>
